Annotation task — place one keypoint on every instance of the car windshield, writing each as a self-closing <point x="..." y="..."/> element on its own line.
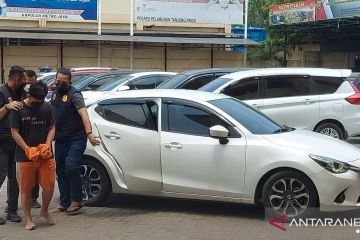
<point x="83" y="82"/>
<point x="114" y="83"/>
<point x="173" y="82"/>
<point x="253" y="120"/>
<point x="212" y="86"/>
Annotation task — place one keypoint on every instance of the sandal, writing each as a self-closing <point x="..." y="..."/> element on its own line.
<point x="59" y="209"/>
<point x="74" y="210"/>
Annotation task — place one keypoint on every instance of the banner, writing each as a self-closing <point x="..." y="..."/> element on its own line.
<point x="332" y="9"/>
<point x="292" y="13"/>
<point x="50" y="9"/>
<point x="190" y="11"/>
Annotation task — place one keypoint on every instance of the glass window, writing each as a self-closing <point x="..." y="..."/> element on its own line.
<point x="214" y="85"/>
<point x="126" y="114"/>
<point x="78" y="77"/>
<point x="325" y="85"/>
<point x="93" y="86"/>
<point x="245" y="89"/>
<point x="192" y="120"/>
<point x="253" y="120"/>
<point x="173" y="82"/>
<point x="198" y="82"/>
<point x="149" y="82"/>
<point x="154" y="111"/>
<point x="287" y="86"/>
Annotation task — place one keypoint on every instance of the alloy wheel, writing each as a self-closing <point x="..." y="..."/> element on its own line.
<point x="91" y="182"/>
<point x="330" y="132"/>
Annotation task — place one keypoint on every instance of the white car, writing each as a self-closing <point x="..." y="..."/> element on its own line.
<point x="199" y="145"/>
<point x="315" y="99"/>
<point x="138" y="80"/>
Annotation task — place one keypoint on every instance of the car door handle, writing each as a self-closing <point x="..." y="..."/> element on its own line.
<point x="173" y="145"/>
<point x="308" y="101"/>
<point x="112" y="136"/>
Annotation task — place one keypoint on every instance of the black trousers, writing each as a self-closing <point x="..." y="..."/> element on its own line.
<point x="8" y="168"/>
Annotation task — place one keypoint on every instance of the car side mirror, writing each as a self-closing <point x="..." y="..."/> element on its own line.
<point x="220" y="133"/>
<point x="123" y="88"/>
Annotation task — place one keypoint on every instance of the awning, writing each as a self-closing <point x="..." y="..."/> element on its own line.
<point x="126" y="38"/>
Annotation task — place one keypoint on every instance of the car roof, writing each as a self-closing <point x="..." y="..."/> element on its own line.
<point x="166" y="93"/>
<point x="141" y="74"/>
<point x="326" y="72"/>
<point x="212" y="70"/>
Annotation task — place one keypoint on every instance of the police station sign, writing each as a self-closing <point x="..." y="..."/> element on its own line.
<point x="50" y="9"/>
<point x="190" y="11"/>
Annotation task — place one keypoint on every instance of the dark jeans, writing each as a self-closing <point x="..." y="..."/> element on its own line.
<point x="68" y="155"/>
<point x="8" y="168"/>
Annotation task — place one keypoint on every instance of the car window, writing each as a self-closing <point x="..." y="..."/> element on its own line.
<point x="49" y="79"/>
<point x="287" y="86"/>
<point x="214" y="85"/>
<point x="253" y="120"/>
<point x="93" y="86"/>
<point x="149" y="82"/>
<point x="193" y="120"/>
<point x="113" y="84"/>
<point x="245" y="89"/>
<point x="198" y="82"/>
<point x="173" y="82"/>
<point x="325" y="85"/>
<point x="131" y="114"/>
<point x="78" y="77"/>
<point x="154" y="112"/>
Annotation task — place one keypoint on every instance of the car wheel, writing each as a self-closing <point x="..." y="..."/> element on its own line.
<point x="96" y="185"/>
<point x="330" y="129"/>
<point x="289" y="193"/>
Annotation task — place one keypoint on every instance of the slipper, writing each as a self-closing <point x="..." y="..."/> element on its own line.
<point x="74" y="210"/>
<point x="59" y="209"/>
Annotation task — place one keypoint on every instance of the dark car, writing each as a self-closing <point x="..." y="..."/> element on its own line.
<point x="94" y="81"/>
<point x="195" y="79"/>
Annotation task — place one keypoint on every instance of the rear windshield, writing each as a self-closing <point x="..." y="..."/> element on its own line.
<point x="173" y="82"/>
<point x="212" y="86"/>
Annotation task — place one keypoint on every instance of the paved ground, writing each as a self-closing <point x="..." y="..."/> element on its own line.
<point x="130" y="218"/>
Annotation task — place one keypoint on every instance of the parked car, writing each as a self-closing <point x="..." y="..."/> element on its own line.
<point x="77" y="75"/>
<point x="199" y="145"/>
<point x="315" y="99"/>
<point x="94" y="81"/>
<point x="140" y="80"/>
<point x="194" y="79"/>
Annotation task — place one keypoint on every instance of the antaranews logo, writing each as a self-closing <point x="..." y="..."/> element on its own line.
<point x="316" y="222"/>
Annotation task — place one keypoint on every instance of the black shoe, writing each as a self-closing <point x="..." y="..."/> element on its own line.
<point x="2" y="221"/>
<point x="35" y="204"/>
<point x="13" y="217"/>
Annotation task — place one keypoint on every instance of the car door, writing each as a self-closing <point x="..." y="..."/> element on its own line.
<point x="247" y="90"/>
<point x="129" y="134"/>
<point x="289" y="102"/>
<point x="192" y="161"/>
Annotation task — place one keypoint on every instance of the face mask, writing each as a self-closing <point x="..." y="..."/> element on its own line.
<point x="62" y="88"/>
<point x="27" y="87"/>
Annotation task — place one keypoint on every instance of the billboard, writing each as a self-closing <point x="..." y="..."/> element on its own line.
<point x="291" y="13"/>
<point x="50" y="9"/>
<point x="190" y="11"/>
<point x="332" y="9"/>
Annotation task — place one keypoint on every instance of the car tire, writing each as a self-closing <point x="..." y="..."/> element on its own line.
<point x="96" y="184"/>
<point x="272" y="196"/>
<point x="330" y="129"/>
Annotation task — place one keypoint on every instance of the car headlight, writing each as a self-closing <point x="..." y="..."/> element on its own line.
<point x="333" y="165"/>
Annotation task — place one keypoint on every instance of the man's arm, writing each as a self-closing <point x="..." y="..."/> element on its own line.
<point x="86" y="121"/>
<point x="18" y="139"/>
<point x="5" y="108"/>
<point x="51" y="135"/>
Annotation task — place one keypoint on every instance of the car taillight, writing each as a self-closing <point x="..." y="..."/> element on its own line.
<point x="354" y="99"/>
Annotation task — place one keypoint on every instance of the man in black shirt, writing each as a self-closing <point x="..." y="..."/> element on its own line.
<point x="10" y="94"/>
<point x="33" y="129"/>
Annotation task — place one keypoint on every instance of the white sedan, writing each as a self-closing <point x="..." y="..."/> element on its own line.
<point x="199" y="145"/>
<point x="137" y="80"/>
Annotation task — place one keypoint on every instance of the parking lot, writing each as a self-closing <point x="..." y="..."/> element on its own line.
<point x="134" y="217"/>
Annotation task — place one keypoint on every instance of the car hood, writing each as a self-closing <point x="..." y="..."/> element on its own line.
<point x="316" y="144"/>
